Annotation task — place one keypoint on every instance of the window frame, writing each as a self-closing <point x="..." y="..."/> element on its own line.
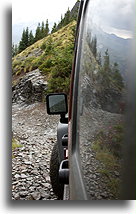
<point x="77" y="185"/>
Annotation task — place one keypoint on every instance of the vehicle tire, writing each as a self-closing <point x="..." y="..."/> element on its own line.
<point x="54" y="173"/>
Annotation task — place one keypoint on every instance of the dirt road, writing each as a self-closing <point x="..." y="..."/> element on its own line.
<point x="36" y="133"/>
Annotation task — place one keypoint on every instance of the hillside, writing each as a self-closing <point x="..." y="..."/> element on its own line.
<point x="118" y="48"/>
<point x="51" y="56"/>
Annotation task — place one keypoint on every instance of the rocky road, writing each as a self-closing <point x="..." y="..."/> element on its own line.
<point x="36" y="133"/>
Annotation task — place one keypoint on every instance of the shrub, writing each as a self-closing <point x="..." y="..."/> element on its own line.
<point x="15" y="144"/>
<point x="43" y="46"/>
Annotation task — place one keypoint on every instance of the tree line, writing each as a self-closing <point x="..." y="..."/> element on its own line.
<point x="110" y="74"/>
<point x="42" y="31"/>
<point x="64" y="21"/>
<point x="28" y="38"/>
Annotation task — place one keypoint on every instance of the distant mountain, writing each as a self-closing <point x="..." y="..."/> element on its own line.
<point x="118" y="48"/>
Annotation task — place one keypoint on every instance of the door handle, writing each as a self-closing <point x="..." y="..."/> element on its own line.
<point x="64" y="172"/>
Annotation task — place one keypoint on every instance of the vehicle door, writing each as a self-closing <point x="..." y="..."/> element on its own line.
<point x="101" y="113"/>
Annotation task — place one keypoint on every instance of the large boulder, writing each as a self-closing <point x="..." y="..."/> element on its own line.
<point x="30" y="88"/>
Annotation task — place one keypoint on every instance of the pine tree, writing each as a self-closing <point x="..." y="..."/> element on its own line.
<point x="38" y="33"/>
<point x="105" y="72"/>
<point x="22" y="43"/>
<point x="94" y="46"/>
<point x="99" y="58"/>
<point x="14" y="50"/>
<point x="106" y="61"/>
<point x="67" y="17"/>
<point x="46" y="28"/>
<point x="31" y="38"/>
<point x="54" y="28"/>
<point x="62" y="21"/>
<point x="26" y="39"/>
<point x="61" y="17"/>
<point x="43" y="30"/>
<point x="117" y="76"/>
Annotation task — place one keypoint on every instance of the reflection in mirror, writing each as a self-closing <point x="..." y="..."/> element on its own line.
<point x="102" y="96"/>
<point x="57" y="103"/>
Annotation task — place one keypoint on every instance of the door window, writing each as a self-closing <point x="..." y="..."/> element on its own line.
<point x="104" y="69"/>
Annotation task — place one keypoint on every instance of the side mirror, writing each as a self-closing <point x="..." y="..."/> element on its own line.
<point x="57" y="104"/>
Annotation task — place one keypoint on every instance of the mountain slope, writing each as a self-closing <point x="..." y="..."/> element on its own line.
<point x="52" y="56"/>
<point x="118" y="48"/>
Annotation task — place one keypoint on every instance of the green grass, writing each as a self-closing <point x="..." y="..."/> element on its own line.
<point x="15" y="144"/>
<point x="107" y="147"/>
<point x="114" y="184"/>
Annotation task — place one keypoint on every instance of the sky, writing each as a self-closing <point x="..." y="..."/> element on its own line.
<point x="114" y="16"/>
<point x="28" y="10"/>
<point x="27" y="13"/>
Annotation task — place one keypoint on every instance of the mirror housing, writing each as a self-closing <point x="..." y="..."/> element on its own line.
<point x="57" y="104"/>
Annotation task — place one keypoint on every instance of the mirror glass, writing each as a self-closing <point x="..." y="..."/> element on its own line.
<point x="104" y="70"/>
<point x="57" y="103"/>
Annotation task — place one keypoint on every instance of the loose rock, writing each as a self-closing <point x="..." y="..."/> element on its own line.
<point x="30" y="163"/>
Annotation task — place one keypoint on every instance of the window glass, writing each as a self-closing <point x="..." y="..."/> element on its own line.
<point x="102" y="90"/>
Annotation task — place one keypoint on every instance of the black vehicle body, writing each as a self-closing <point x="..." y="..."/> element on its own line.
<point x="71" y="170"/>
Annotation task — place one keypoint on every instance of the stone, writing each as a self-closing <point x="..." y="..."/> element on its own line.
<point x="92" y="193"/>
<point x="45" y="175"/>
<point x="116" y="173"/>
<point x="45" y="196"/>
<point x="32" y="189"/>
<point x="36" y="195"/>
<point x="34" y="172"/>
<point x="23" y="193"/>
<point x="46" y="185"/>
<point x="48" y="178"/>
<point x="27" y="175"/>
<point x="28" y="162"/>
<point x="30" y="88"/>
<point x="23" y="167"/>
<point x="17" y="176"/>
<point x="29" y="197"/>
<point x="23" y="188"/>
<point x="16" y="196"/>
<point x="104" y="194"/>
<point x="23" y="176"/>
<point x="25" y="170"/>
<point x="99" y="197"/>
<point x="29" y="178"/>
<point x="15" y="182"/>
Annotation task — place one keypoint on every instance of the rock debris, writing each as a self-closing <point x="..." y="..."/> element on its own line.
<point x="36" y="133"/>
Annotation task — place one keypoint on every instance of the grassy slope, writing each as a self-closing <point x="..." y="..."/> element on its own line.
<point x="52" y="55"/>
<point x="108" y="148"/>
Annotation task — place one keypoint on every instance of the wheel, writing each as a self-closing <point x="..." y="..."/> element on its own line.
<point x="54" y="173"/>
